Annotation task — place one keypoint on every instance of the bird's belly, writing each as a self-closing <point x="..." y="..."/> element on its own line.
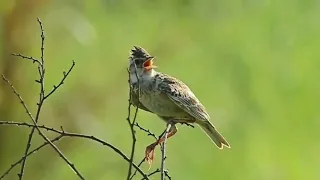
<point x="161" y="105"/>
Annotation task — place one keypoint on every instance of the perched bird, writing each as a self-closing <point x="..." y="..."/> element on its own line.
<point x="167" y="97"/>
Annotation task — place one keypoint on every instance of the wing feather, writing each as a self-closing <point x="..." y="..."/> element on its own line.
<point x="182" y="96"/>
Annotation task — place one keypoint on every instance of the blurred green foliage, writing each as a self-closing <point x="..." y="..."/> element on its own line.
<point x="253" y="64"/>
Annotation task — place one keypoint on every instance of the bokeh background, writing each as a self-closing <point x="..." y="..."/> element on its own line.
<point x="253" y="64"/>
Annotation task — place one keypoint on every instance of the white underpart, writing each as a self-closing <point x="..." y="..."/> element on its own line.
<point x="133" y="78"/>
<point x="144" y="76"/>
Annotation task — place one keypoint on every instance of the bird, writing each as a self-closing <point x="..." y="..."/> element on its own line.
<point x="167" y="97"/>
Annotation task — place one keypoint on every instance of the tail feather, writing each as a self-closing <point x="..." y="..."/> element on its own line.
<point x="214" y="135"/>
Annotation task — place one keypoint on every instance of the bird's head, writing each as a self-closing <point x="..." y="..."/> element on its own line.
<point x="140" y="64"/>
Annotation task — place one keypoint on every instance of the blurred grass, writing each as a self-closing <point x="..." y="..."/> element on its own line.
<point x="253" y="64"/>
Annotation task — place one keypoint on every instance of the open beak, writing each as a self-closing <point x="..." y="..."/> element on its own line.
<point x="148" y="65"/>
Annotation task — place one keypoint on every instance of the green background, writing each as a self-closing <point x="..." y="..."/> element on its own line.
<point x="253" y="64"/>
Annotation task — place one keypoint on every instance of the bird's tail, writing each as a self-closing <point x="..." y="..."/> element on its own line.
<point x="214" y="135"/>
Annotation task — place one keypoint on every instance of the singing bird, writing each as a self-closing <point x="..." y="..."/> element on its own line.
<point x="167" y="97"/>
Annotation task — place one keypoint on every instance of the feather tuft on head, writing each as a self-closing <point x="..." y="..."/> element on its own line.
<point x="139" y="53"/>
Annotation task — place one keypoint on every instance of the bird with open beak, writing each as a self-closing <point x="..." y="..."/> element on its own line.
<point x="167" y="97"/>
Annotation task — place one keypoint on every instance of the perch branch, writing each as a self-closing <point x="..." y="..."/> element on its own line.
<point x="84" y="136"/>
<point x="149" y="133"/>
<point x="132" y="123"/>
<point x="163" y="150"/>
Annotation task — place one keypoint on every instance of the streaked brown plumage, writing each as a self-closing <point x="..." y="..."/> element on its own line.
<point x="168" y="97"/>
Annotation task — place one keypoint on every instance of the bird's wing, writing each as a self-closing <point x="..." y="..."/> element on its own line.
<point x="135" y="99"/>
<point x="182" y="96"/>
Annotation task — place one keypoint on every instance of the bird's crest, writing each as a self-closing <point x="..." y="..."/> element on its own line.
<point x="139" y="53"/>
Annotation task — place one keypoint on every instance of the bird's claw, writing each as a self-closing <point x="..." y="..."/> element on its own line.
<point x="150" y="154"/>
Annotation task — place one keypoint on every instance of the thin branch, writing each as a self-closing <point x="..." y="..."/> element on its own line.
<point x="135" y="172"/>
<point x="65" y="75"/>
<point x="27" y="57"/>
<point x="20" y="98"/>
<point x="131" y="124"/>
<point x="31" y="152"/>
<point x="166" y="173"/>
<point x="41" y="68"/>
<point x="69" y="134"/>
<point x="39" y="131"/>
<point x="154" y="172"/>
<point x="149" y="133"/>
<point x="132" y="134"/>
<point x="157" y="171"/>
<point x="42" y="41"/>
<point x="42" y="97"/>
<point x="163" y="154"/>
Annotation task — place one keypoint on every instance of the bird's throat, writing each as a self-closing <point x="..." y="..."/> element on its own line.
<point x="149" y="73"/>
<point x="145" y="75"/>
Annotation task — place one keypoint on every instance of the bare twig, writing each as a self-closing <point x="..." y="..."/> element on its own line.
<point x="27" y="57"/>
<point x="31" y="152"/>
<point x="134" y="140"/>
<point x="154" y="172"/>
<point x="41" y="68"/>
<point x="163" y="134"/>
<point x="65" y="75"/>
<point x="157" y="171"/>
<point x="84" y="136"/>
<point x="163" y="149"/>
<point x="39" y="131"/>
<point x="149" y="133"/>
<point x="42" y="97"/>
<point x="135" y="172"/>
<point x="42" y="40"/>
<point x="132" y="123"/>
<point x="166" y="173"/>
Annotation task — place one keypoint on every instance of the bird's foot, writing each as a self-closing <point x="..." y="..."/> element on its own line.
<point x="150" y="153"/>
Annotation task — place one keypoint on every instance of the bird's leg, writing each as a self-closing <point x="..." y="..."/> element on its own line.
<point x="150" y="149"/>
<point x="173" y="130"/>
